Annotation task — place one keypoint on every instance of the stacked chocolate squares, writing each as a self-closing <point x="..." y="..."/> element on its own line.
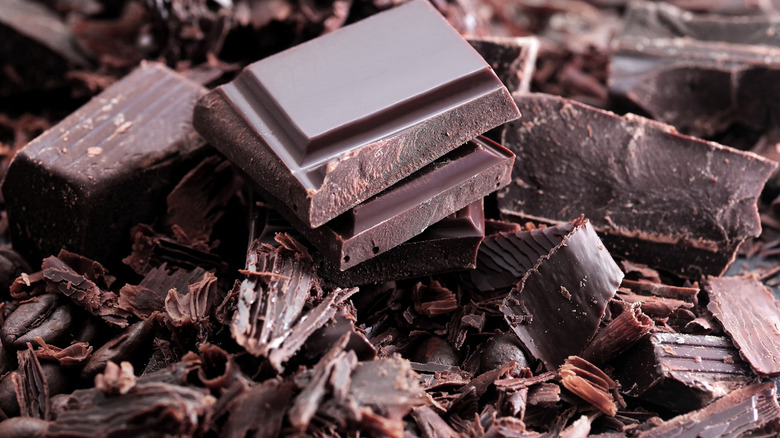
<point x="368" y="136"/>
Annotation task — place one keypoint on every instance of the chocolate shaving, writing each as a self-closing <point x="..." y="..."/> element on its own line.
<point x="434" y="299"/>
<point x="544" y="394"/>
<point x="431" y="424"/>
<point x="147" y="297"/>
<point x="550" y="325"/>
<point x="32" y="389"/>
<point x="194" y="308"/>
<point x="74" y="354"/>
<point x="85" y="286"/>
<point x="749" y="314"/>
<point x="245" y="419"/>
<point x="589" y="383"/>
<point x="619" y="334"/>
<point x="644" y="287"/>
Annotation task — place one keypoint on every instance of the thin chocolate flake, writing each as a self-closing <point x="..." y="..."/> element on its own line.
<point x="198" y="201"/>
<point x="434" y="299"/>
<point x="116" y="379"/>
<point x="151" y="249"/>
<point x="146" y="408"/>
<point x="733" y="415"/>
<point x="147" y="297"/>
<point x="504" y="427"/>
<point x="516" y="384"/>
<point x="551" y="326"/>
<point x="32" y="389"/>
<point x="259" y="411"/>
<point x="85" y="287"/>
<point x="619" y="334"/>
<point x="431" y="424"/>
<point x="544" y="394"/>
<point x="269" y="318"/>
<point x="698" y="199"/>
<point x="589" y="383"/>
<point x="681" y="372"/>
<point x="658" y="307"/>
<point x="27" y="286"/>
<point x="748" y="313"/>
<point x="579" y="429"/>
<point x="194" y="308"/>
<point x="74" y="354"/>
<point x="644" y="287"/>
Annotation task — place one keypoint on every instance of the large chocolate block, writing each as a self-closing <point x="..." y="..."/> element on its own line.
<point x="656" y="197"/>
<point x="329" y="123"/>
<point x="681" y="372"/>
<point x="83" y="183"/>
<point x="406" y="209"/>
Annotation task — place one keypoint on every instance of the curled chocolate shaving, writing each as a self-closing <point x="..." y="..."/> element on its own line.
<point x="589" y="383"/>
<point x="619" y="334"/>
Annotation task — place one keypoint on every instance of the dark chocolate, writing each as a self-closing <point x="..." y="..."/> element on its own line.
<point x="105" y="168"/>
<point x="616" y="336"/>
<point x="512" y="58"/>
<point x="735" y="414"/>
<point x="329" y="123"/>
<point x="655" y="197"/>
<point x="681" y="372"/>
<point x="589" y="383"/>
<point x="448" y="245"/>
<point x="556" y="308"/>
<point x="406" y="209"/>
<point x="748" y="312"/>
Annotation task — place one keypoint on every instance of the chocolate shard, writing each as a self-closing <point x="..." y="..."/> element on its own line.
<point x="245" y="419"/>
<point x="32" y="389"/>
<point x="269" y="320"/>
<point x="104" y="168"/>
<point x="148" y="296"/>
<point x="431" y="424"/>
<point x="588" y="382"/>
<point x="446" y="246"/>
<point x="406" y="209"/>
<point x="698" y="198"/>
<point x="512" y="58"/>
<point x="735" y="414"/>
<point x="556" y="308"/>
<point x="47" y="43"/>
<point x="748" y="312"/>
<point x="504" y="258"/>
<point x="681" y="372"/>
<point x="360" y="113"/>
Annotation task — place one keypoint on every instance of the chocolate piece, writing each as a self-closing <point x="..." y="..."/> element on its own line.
<point x="47" y="43"/>
<point x="363" y="109"/>
<point x="735" y="414"/>
<point x="656" y="197"/>
<point x="556" y="308"/>
<point x="504" y="258"/>
<point x="748" y="313"/>
<point x="588" y="382"/>
<point x="702" y="88"/>
<point x="105" y="168"/>
<point x="681" y="372"/>
<point x="448" y="245"/>
<point x="619" y="334"/>
<point x="512" y="58"/>
<point x="406" y="209"/>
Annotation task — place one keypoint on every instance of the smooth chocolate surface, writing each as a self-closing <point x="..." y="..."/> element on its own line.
<point x="448" y="245"/>
<point x="735" y="414"/>
<point x="656" y="197"/>
<point x="406" y="209"/>
<point x="556" y="309"/>
<point x="104" y="168"/>
<point x="329" y="123"/>
<point x="681" y="372"/>
<point x="749" y="314"/>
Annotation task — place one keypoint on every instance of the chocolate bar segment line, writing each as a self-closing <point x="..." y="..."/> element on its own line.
<point x="334" y="121"/>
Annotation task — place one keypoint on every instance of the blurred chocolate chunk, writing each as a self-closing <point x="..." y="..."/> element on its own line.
<point x="681" y="372"/>
<point x="748" y="312"/>
<point x="556" y="308"/>
<point x="698" y="199"/>
<point x="105" y="168"/>
<point x="512" y="58"/>
<point x="735" y="414"/>
<point x="47" y="43"/>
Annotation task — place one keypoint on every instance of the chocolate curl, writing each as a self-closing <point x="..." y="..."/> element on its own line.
<point x="31" y="386"/>
<point x="622" y="332"/>
<point x="589" y="383"/>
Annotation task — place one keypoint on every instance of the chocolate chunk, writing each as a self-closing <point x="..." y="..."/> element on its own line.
<point x="47" y="43"/>
<point x="363" y="109"/>
<point x="105" y="168"/>
<point x="448" y="245"/>
<point x="556" y="308"/>
<point x="505" y="257"/>
<point x="655" y="197"/>
<point x="681" y="372"/>
<point x="512" y="58"/>
<point x="748" y="313"/>
<point x="407" y="208"/>
<point x="735" y="414"/>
